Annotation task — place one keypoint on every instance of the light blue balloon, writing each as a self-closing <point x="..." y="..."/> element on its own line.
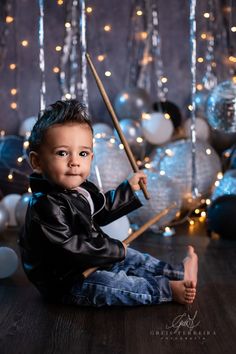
<point x="8" y="262"/>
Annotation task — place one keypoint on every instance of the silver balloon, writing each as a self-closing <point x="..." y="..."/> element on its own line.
<point x="132" y="103"/>
<point x="111" y="165"/>
<point x="226" y="186"/>
<point x="4" y="218"/>
<point x="221" y="107"/>
<point x="101" y="130"/>
<point x="8" y="262"/>
<point x="175" y="160"/>
<point x="163" y="192"/>
<point x="133" y="134"/>
<point x="21" y="208"/>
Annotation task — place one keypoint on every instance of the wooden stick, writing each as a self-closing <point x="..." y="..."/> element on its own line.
<point x="137" y="233"/>
<point x="116" y="124"/>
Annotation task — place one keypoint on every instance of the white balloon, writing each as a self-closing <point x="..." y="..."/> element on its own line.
<point x="102" y="130"/>
<point x="156" y="128"/>
<point x="118" y="229"/>
<point x="8" y="262"/>
<point x="9" y="202"/>
<point x="27" y="125"/>
<point x="201" y="127"/>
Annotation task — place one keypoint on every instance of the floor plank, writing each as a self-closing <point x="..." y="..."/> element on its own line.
<point x="28" y="325"/>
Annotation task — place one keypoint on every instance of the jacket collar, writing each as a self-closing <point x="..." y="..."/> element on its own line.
<point x="39" y="184"/>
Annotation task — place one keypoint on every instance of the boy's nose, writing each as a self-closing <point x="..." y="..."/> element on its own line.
<point x="74" y="161"/>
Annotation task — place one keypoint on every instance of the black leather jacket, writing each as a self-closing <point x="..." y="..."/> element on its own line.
<point x="61" y="239"/>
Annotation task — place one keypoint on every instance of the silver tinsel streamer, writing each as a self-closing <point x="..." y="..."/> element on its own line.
<point x="209" y="79"/>
<point x="193" y="111"/>
<point x="152" y="53"/>
<point x="41" y="56"/>
<point x="83" y="44"/>
<point x="73" y="66"/>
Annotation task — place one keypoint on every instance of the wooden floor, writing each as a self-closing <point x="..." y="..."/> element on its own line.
<point x="29" y="326"/>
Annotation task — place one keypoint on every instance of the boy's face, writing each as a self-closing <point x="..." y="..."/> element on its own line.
<point x="65" y="155"/>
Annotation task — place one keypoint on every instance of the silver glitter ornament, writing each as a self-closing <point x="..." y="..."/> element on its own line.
<point x="110" y="166"/>
<point x="163" y="192"/>
<point x="175" y="161"/>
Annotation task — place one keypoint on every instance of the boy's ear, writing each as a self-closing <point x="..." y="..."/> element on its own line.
<point x="35" y="161"/>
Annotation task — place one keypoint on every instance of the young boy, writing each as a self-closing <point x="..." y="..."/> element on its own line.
<point x="62" y="236"/>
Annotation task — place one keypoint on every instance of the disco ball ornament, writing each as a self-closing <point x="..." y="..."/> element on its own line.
<point x="175" y="160"/>
<point x="132" y="103"/>
<point x="163" y="193"/>
<point x="101" y="130"/>
<point x="21" y="208"/>
<point x="157" y="129"/>
<point x="201" y="127"/>
<point x="227" y="185"/>
<point x="221" y="107"/>
<point x="110" y="165"/>
<point x="133" y="134"/>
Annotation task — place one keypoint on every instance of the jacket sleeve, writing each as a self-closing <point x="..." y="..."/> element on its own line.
<point x="119" y="202"/>
<point x="56" y="222"/>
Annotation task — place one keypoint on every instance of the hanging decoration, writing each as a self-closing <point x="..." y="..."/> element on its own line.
<point x="41" y="57"/>
<point x="194" y="188"/>
<point x="73" y="64"/>
<point x="152" y="58"/>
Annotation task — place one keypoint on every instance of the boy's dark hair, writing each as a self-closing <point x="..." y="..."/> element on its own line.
<point x="59" y="112"/>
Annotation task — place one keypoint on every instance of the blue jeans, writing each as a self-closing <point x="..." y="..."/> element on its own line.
<point x="139" y="279"/>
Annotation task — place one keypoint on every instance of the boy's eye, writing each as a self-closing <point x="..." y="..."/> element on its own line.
<point x="84" y="153"/>
<point x="62" y="153"/>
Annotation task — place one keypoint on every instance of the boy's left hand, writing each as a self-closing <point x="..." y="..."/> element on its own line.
<point x="134" y="180"/>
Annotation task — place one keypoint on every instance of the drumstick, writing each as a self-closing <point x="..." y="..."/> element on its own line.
<point x="116" y="124"/>
<point x="137" y="233"/>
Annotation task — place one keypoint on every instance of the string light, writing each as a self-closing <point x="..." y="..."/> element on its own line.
<point x="162" y="172"/>
<point x="68" y="96"/>
<point x="121" y="146"/>
<point x="12" y="66"/>
<point x="56" y="69"/>
<point x="2" y="133"/>
<point x="164" y="80"/>
<point x="219" y="175"/>
<point x="60" y="2"/>
<point x="139" y="12"/>
<point x="200" y="60"/>
<point x="101" y="57"/>
<point x="139" y="139"/>
<point x="20" y="159"/>
<point x="29" y="190"/>
<point x="14" y="105"/>
<point x="89" y="10"/>
<point x="107" y="28"/>
<point x="199" y="87"/>
<point x="107" y="73"/>
<point x="112" y="140"/>
<point x="167" y="116"/>
<point x="10" y="176"/>
<point x="203" y="35"/>
<point x="58" y="48"/>
<point x="190" y="107"/>
<point x="26" y="144"/>
<point x="208" y="151"/>
<point x="197" y="211"/>
<point x="67" y="25"/>
<point x="206" y="15"/>
<point x="9" y="19"/>
<point x="147" y="165"/>
<point x="13" y="91"/>
<point x="208" y="201"/>
<point x="24" y="43"/>
<point x="233" y="29"/>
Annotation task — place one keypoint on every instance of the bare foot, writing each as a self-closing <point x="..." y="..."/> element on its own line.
<point x="191" y="267"/>
<point x="183" y="291"/>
